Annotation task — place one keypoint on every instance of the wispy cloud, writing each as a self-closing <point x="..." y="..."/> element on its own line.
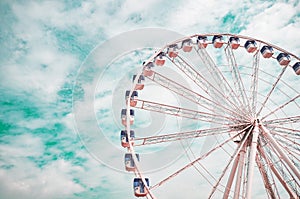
<point x="46" y="42"/>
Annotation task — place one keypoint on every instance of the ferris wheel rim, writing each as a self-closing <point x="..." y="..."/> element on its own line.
<point x="131" y="147"/>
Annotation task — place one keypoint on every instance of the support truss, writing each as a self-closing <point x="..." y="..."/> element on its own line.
<point x="236" y="76"/>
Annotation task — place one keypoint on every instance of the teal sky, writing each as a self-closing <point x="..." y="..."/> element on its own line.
<point x="44" y="43"/>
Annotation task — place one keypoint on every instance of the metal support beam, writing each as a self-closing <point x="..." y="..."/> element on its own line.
<point x="240" y="173"/>
<point x="253" y="151"/>
<point x="277" y="147"/>
<point x="231" y="177"/>
<point x="277" y="174"/>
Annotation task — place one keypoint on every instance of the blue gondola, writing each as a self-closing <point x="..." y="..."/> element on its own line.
<point x="124" y="138"/>
<point x="140" y="84"/>
<point x="124" y="116"/>
<point x="129" y="162"/>
<point x="139" y="187"/>
<point x="187" y="45"/>
<point x="202" y="41"/>
<point x="267" y="51"/>
<point x="173" y="51"/>
<point x="283" y="59"/>
<point x="160" y="59"/>
<point x="148" y="69"/>
<point x="296" y="68"/>
<point x="234" y="42"/>
<point x="250" y="46"/>
<point x="218" y="41"/>
<point x="134" y="95"/>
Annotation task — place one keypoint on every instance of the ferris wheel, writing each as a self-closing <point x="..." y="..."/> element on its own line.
<point x="235" y="102"/>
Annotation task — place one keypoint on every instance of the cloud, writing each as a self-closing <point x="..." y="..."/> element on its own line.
<point x="51" y="39"/>
<point x="277" y="24"/>
<point x="53" y="181"/>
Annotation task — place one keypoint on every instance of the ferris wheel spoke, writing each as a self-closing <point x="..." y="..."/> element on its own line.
<point x="182" y="112"/>
<point x="275" y="171"/>
<point x="287" y="138"/>
<point x="281" y="107"/>
<point x="276" y="146"/>
<point x="218" y="76"/>
<point x="292" y="152"/>
<point x="282" y="121"/>
<point x="202" y="82"/>
<point x="183" y="135"/>
<point x="285" y="130"/>
<point x="203" y="168"/>
<point x="219" y="146"/>
<point x="291" y="147"/>
<point x="284" y="170"/>
<point x="254" y="83"/>
<point x="236" y="76"/>
<point x="234" y="155"/>
<point x="189" y="94"/>
<point x="272" y="89"/>
<point x="268" y="180"/>
<point x="286" y="135"/>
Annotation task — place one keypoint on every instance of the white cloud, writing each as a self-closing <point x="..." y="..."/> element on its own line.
<point x="42" y="68"/>
<point x="53" y="181"/>
<point x="276" y="24"/>
<point x="22" y="146"/>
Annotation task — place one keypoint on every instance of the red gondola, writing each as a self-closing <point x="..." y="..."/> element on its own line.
<point x="234" y="42"/>
<point x="202" y="41"/>
<point x="173" y="51"/>
<point x="283" y="59"/>
<point x="124" y="116"/>
<point x="250" y="46"/>
<point x="147" y="72"/>
<point x="124" y="138"/>
<point x="160" y="59"/>
<point x="139" y="187"/>
<point x="140" y="85"/>
<point x="218" y="41"/>
<point x="133" y="98"/>
<point x="129" y="162"/>
<point x="267" y="51"/>
<point x="187" y="45"/>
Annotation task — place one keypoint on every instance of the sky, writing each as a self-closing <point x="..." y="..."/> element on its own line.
<point x="45" y="48"/>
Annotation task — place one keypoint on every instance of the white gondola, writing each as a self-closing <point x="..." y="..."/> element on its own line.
<point x="140" y="85"/>
<point x="202" y="41"/>
<point x="267" y="51"/>
<point x="124" y="138"/>
<point x="133" y="98"/>
<point x="187" y="45"/>
<point x="148" y="72"/>
<point x="160" y="59"/>
<point x="124" y="116"/>
<point x="296" y="68"/>
<point x="283" y="59"/>
<point x="234" y="42"/>
<point x="218" y="41"/>
<point x="250" y="46"/>
<point x="139" y="187"/>
<point x="129" y="162"/>
<point x="173" y="51"/>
